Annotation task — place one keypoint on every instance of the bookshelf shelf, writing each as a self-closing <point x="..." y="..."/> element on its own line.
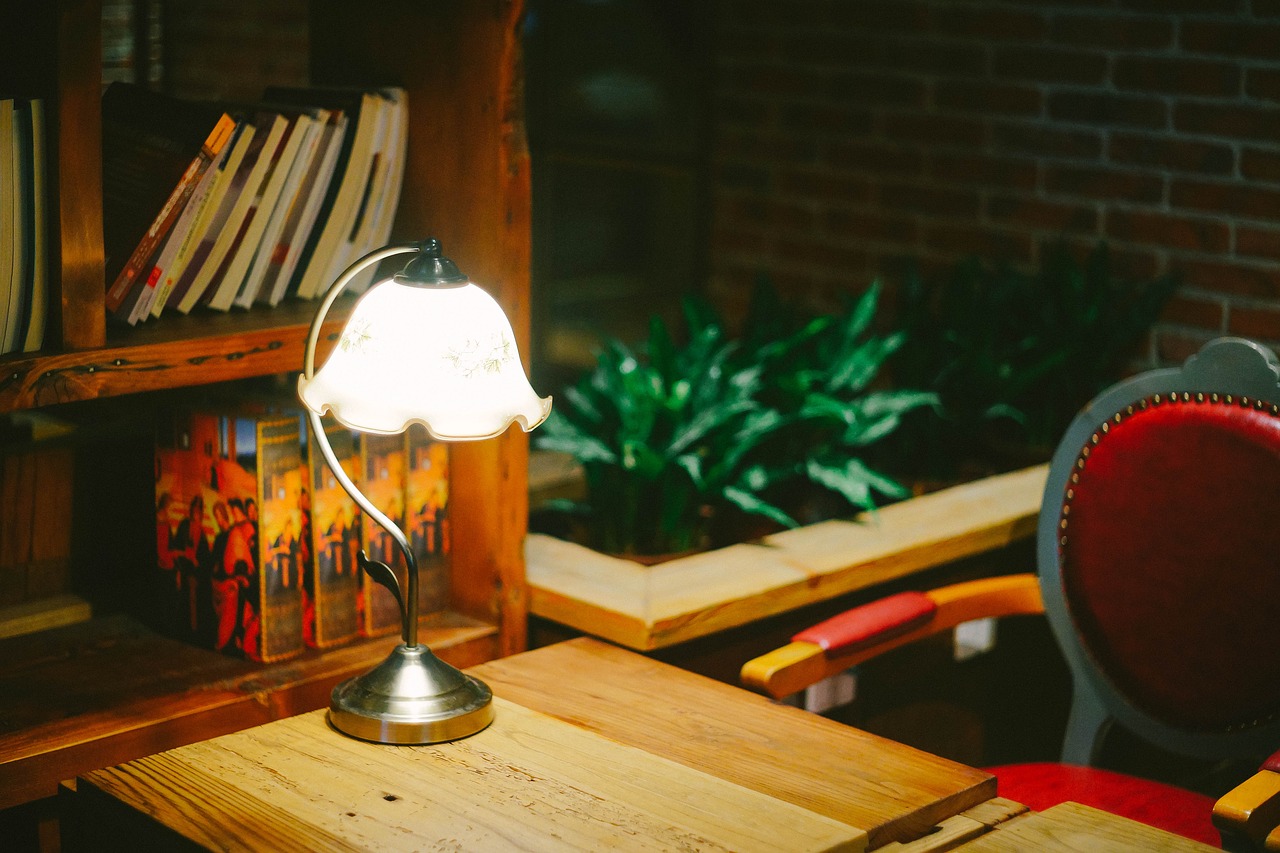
<point x="108" y="690"/>
<point x="105" y="691"/>
<point x="176" y="352"/>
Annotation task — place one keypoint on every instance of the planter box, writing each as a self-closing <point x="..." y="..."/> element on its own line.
<point x="652" y="607"/>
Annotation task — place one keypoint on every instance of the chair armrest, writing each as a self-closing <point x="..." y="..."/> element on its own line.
<point x="1251" y="810"/>
<point x="852" y="637"/>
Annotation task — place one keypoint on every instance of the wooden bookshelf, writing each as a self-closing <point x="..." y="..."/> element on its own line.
<point x="107" y="690"/>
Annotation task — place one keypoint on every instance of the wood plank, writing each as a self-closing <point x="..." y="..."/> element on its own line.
<point x="110" y="690"/>
<point x="1073" y="828"/>
<point x="195" y="349"/>
<point x="893" y="792"/>
<point x="527" y="782"/>
<point x="965" y="826"/>
<point x="648" y="608"/>
<point x="43" y="614"/>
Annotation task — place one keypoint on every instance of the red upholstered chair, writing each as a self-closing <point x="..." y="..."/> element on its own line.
<point x="1158" y="569"/>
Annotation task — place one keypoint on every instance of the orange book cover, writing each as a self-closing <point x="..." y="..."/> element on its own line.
<point x="333" y="522"/>
<point x="427" y="516"/>
<point x="383" y="458"/>
<point x="228" y="532"/>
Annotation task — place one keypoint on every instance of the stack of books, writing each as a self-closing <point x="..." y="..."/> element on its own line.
<point x="257" y="543"/>
<point x="222" y="206"/>
<point x="24" y="270"/>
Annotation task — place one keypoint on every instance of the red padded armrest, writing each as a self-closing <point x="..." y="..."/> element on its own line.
<point x="1272" y="763"/>
<point x="878" y="620"/>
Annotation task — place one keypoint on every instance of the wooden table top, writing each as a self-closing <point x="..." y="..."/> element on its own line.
<point x="1071" y="827"/>
<point x="593" y="748"/>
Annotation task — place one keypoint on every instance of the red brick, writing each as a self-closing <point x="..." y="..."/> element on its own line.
<point x="814" y="253"/>
<point x="1187" y="7"/>
<point x="861" y="87"/>
<point x="932" y="200"/>
<point x="1260" y="164"/>
<point x="1040" y="139"/>
<point x="991" y="23"/>
<point x="1176" y="232"/>
<point x="736" y="176"/>
<point x="1183" y="155"/>
<point x="1229" y="277"/>
<point x="1237" y="37"/>
<point x="775" y="79"/>
<point x="1203" y="311"/>
<point x="1263" y="83"/>
<point x="1257" y="322"/>
<point x="822" y="184"/>
<point x="862" y="155"/>
<point x="874" y="226"/>
<point x="1102" y="183"/>
<point x="744" y="110"/>
<point x="879" y="16"/>
<point x="1135" y="262"/>
<point x="826" y="118"/>
<point x="1103" y="108"/>
<point x="1037" y="213"/>
<point x="992" y="244"/>
<point x="936" y="57"/>
<point x="1050" y="65"/>
<point x="1235" y="199"/>
<point x="1228" y="119"/>
<point x="1111" y="31"/>
<point x="982" y="169"/>
<point x="1177" y="76"/>
<point x="755" y="146"/>
<point x="1256" y="242"/>
<point x="988" y="98"/>
<point x="767" y="212"/>
<point x="932" y="129"/>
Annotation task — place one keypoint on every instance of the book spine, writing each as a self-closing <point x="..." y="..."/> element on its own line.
<point x="383" y="457"/>
<point x="280" y="479"/>
<point x="333" y="572"/>
<point x="427" y="516"/>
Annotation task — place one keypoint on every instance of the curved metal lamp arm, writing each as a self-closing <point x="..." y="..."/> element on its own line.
<point x="380" y="572"/>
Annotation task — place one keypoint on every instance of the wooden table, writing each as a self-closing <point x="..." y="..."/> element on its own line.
<point x="593" y="748"/>
<point x="1073" y="828"/>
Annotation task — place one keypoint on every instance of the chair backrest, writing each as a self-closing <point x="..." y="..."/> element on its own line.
<point x="1159" y="557"/>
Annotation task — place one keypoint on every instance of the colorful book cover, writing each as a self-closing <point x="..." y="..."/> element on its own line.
<point x="333" y="574"/>
<point x="427" y="516"/>
<point x="228" y="532"/>
<point x="383" y="457"/>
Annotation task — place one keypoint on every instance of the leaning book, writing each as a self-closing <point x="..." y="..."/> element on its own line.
<point x="155" y="149"/>
<point x="229" y="546"/>
<point x="332" y="580"/>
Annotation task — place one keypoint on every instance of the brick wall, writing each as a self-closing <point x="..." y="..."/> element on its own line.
<point x="850" y="134"/>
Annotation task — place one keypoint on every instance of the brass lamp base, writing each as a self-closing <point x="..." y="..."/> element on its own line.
<point x="412" y="697"/>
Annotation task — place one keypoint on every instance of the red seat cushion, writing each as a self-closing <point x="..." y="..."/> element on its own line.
<point x="1042" y="785"/>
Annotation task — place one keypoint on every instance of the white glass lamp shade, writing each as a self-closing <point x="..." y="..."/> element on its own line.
<point x="442" y="356"/>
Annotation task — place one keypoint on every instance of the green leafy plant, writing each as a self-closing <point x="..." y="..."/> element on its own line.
<point x="676" y="435"/>
<point x="1013" y="355"/>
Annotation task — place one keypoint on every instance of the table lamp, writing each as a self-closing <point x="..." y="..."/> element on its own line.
<point x="424" y="346"/>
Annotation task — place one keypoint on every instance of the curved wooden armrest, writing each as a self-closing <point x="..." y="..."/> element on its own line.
<point x="803" y="662"/>
<point x="1251" y="810"/>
